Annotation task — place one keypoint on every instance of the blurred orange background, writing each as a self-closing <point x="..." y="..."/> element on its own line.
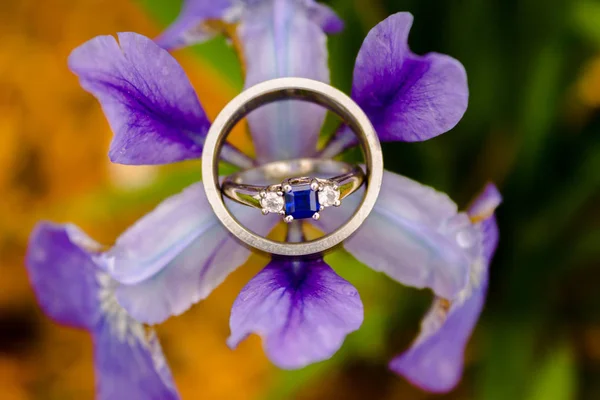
<point x="53" y="165"/>
<point x="533" y="127"/>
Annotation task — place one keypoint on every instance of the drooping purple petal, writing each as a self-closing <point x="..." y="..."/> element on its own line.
<point x="189" y="28"/>
<point x="406" y="96"/>
<point x="435" y="360"/>
<point x="414" y="234"/>
<point x="177" y="254"/>
<point x="301" y="308"/>
<point x="73" y="290"/>
<point x="280" y="39"/>
<point x="152" y="242"/>
<point x="62" y="274"/>
<point x="147" y="98"/>
<point x="128" y="359"/>
<point x="131" y="367"/>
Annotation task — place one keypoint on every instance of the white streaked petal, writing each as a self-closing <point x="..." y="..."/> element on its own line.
<point x="280" y="39"/>
<point x="415" y="235"/>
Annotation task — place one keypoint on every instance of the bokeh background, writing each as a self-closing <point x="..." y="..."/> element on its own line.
<point x="533" y="127"/>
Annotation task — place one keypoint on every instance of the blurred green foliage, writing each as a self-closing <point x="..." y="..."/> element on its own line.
<point x="527" y="130"/>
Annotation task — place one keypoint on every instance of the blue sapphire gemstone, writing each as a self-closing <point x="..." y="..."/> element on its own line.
<point x="302" y="202"/>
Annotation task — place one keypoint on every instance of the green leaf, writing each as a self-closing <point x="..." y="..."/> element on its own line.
<point x="509" y="359"/>
<point x="540" y="105"/>
<point x="556" y="379"/>
<point x="586" y="20"/>
<point x="586" y="248"/>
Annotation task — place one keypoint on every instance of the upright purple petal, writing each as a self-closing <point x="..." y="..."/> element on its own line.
<point x="176" y="255"/>
<point x="280" y="39"/>
<point x="325" y="17"/>
<point x="189" y="28"/>
<point x="435" y="360"/>
<point x="147" y="98"/>
<point x="72" y="290"/>
<point x="192" y="26"/>
<point x="414" y="234"/>
<point x="301" y="308"/>
<point x="407" y="97"/>
<point x="62" y="274"/>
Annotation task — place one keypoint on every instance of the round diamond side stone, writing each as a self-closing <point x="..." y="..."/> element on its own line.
<point x="328" y="196"/>
<point x="272" y="202"/>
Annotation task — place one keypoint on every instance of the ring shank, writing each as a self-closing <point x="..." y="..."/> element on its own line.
<point x="300" y="89"/>
<point x="347" y="177"/>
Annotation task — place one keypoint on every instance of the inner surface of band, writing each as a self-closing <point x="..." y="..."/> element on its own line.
<point x="275" y="172"/>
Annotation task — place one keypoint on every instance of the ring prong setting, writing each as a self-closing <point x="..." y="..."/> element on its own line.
<point x="299" y="198"/>
<point x="271" y="202"/>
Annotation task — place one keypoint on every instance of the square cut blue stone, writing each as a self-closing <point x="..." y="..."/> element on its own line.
<point x="302" y="202"/>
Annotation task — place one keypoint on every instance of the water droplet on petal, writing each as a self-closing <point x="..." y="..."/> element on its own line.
<point x="465" y="238"/>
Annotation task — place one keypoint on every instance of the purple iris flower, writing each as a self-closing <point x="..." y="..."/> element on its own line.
<point x="177" y="254"/>
<point x="74" y="291"/>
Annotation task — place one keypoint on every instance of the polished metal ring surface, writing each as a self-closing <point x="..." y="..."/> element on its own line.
<point x="285" y="89"/>
<point x="306" y="187"/>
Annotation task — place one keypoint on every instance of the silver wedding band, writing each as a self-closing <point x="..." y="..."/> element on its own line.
<point x="299" y="89"/>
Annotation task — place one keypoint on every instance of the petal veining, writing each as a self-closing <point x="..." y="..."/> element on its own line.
<point x="301" y="308"/>
<point x="435" y="360"/>
<point x="414" y="234"/>
<point x="148" y="100"/>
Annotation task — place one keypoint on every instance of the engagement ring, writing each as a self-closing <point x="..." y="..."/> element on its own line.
<point x="303" y="192"/>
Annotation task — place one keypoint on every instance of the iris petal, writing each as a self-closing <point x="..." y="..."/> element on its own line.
<point x="147" y="98"/>
<point x="280" y="39"/>
<point x="177" y="254"/>
<point x="160" y="236"/>
<point x="130" y="369"/>
<point x="325" y="17"/>
<point x="72" y="290"/>
<point x="301" y="308"/>
<point x="414" y="234"/>
<point x="62" y="275"/>
<point x="407" y="97"/>
<point x="435" y="360"/>
<point x="189" y="27"/>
